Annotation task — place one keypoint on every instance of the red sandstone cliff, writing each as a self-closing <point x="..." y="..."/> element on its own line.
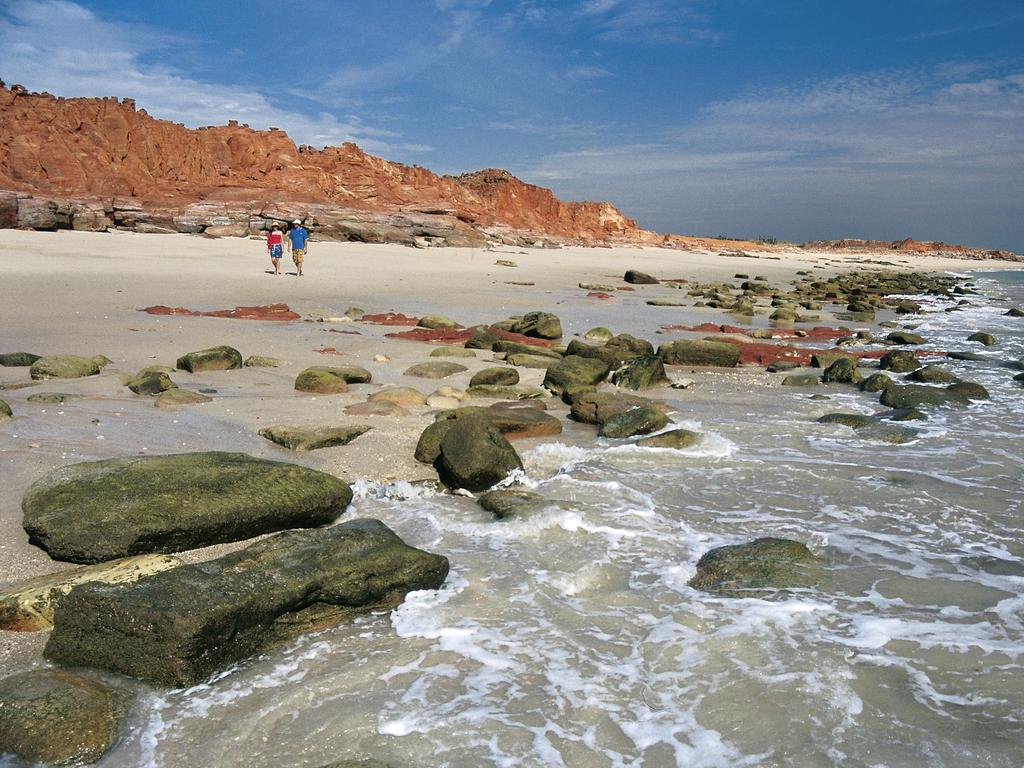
<point x="107" y="152"/>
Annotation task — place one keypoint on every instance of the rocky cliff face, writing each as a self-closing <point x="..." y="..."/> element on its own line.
<point x="95" y="163"/>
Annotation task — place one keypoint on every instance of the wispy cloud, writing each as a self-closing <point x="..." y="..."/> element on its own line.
<point x="647" y="21"/>
<point x="65" y="48"/>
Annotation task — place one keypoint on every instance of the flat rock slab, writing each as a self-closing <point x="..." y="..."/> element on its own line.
<point x="29" y="605"/>
<point x="58" y="717"/>
<point x="177" y="397"/>
<point x="65" y="367"/>
<point x="180" y="626"/>
<point x="101" y="510"/>
<point x="407" y="397"/>
<point x="17" y="359"/>
<point x="312" y="438"/>
<point x="52" y="398"/>
<point x="435" y="370"/>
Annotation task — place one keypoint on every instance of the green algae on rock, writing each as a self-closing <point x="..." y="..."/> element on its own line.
<point x="767" y="563"/>
<point x="101" y="510"/>
<point x="222" y="358"/>
<point x="313" y="438"/>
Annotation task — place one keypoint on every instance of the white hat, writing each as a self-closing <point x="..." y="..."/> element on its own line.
<point x="296" y="221"/>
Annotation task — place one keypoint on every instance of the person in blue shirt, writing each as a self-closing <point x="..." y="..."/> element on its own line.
<point x="298" y="244"/>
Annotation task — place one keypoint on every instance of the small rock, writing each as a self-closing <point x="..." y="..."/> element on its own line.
<point x="987" y="339"/>
<point x="676" y="438"/>
<point x="511" y="502"/>
<point x="57" y="398"/>
<point x="498" y="375"/>
<point x="599" y="334"/>
<point x="64" y="367"/>
<point x="905" y="337"/>
<point x="436" y="321"/>
<point x="222" y="358"/>
<point x="177" y="397"/>
<point x="435" y="370"/>
<point x="801" y="380"/>
<point x="853" y="420"/>
<point x="260" y="361"/>
<point x="899" y="361"/>
<point x="313" y="438"/>
<point x="407" y="397"/>
<point x="376" y="408"/>
<point x="6" y="414"/>
<point x="452" y="352"/>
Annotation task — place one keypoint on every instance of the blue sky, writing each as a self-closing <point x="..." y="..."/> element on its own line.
<point x="799" y="119"/>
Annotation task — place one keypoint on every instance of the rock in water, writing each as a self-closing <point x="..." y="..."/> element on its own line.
<point x="17" y="359"/>
<point x="916" y="395"/>
<point x="905" y="337"/>
<point x="677" y="438"/>
<point x="932" y="374"/>
<point x="28" y="606"/>
<point x="643" y="373"/>
<point x="767" y="563"/>
<point x="312" y="438"/>
<point x="987" y="339"/>
<point x="58" y="717"/>
<point x="180" y="626"/>
<point x="636" y="421"/>
<point x="512" y="502"/>
<point x="876" y="382"/>
<point x="100" y="510"/>
<point x="899" y="361"/>
<point x="64" y="367"/>
<point x="842" y="371"/>
<point x="221" y="358"/>
<point x="474" y="455"/>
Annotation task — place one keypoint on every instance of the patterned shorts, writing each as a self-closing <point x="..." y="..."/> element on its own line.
<point x="298" y="254"/>
<point x="275" y="251"/>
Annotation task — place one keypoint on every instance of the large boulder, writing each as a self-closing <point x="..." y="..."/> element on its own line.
<point x="474" y="455"/>
<point x="65" y="367"/>
<point x="635" y="421"/>
<point x="826" y="358"/>
<point x="842" y="371"/>
<point x="899" y="361"/>
<point x="59" y="717"/>
<point x="688" y="352"/>
<point x="520" y="421"/>
<point x="642" y="373"/>
<point x="222" y="358"/>
<point x="180" y="626"/>
<point x="573" y="370"/>
<point x="17" y="359"/>
<point x="597" y="407"/>
<point x="767" y="563"/>
<point x="313" y="437"/>
<point x="100" y="510"/>
<point x="917" y="395"/>
<point x="539" y="325"/>
<point x="28" y="605"/>
<point x="968" y="390"/>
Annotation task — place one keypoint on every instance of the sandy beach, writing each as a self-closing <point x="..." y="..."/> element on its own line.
<point x="80" y="293"/>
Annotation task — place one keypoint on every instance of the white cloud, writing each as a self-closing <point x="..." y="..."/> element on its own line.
<point x="64" y="48"/>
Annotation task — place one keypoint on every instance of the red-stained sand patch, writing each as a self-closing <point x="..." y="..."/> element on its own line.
<point x="625" y="288"/>
<point x="390" y="318"/>
<point x="328" y="351"/>
<point x="349" y="332"/>
<point x="597" y="295"/>
<point x="462" y="335"/>
<point x="276" y="312"/>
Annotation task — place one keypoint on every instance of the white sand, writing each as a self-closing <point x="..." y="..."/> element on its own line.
<point x="79" y="293"/>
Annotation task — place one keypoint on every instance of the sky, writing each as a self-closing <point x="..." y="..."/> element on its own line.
<point x="795" y="119"/>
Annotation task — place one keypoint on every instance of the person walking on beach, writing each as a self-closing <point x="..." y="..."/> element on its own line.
<point x="275" y="247"/>
<point x="298" y="244"/>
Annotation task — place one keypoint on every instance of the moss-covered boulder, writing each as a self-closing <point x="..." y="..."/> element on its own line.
<point x="501" y="375"/>
<point x="763" y="564"/>
<point x="598" y="334"/>
<point x="919" y="395"/>
<point x="616" y="351"/>
<point x="526" y="360"/>
<point x="510" y="348"/>
<point x="483" y="338"/>
<point x="932" y="374"/>
<point x="539" y="325"/>
<point x="180" y="626"/>
<point x="801" y="380"/>
<point x="262" y="361"/>
<point x="635" y="421"/>
<point x="876" y="382"/>
<point x="176" y="397"/>
<point x="968" y="390"/>
<point x="28" y="606"/>
<point x="59" y="717"/>
<point x="330" y="380"/>
<point x="222" y="358"/>
<point x="100" y="510"/>
<point x="475" y="455"/>
<point x="825" y="358"/>
<point x="17" y="359"/>
<point x="150" y="382"/>
<point x="679" y="439"/>
<point x="642" y="373"/>
<point x="883" y="432"/>
<point x="64" y="367"/>
<point x="636" y="277"/>
<point x="313" y="438"/>
<point x="986" y="339"/>
<point x="523" y="421"/>
<point x="853" y="420"/>
<point x="1014" y="312"/>
<point x="504" y="503"/>
<point x="905" y="337"/>
<point x="452" y="352"/>
<point x="440" y="369"/>
<point x="436" y="321"/>
<point x="712" y="353"/>
<point x="573" y="370"/>
<point x="899" y="361"/>
<point x="592" y="407"/>
<point x="842" y="371"/>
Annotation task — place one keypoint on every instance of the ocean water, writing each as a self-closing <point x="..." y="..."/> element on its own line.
<point x="570" y="637"/>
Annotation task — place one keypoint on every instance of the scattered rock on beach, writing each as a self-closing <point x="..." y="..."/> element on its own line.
<point x="503" y="392"/>
<point x="853" y="420"/>
<point x="767" y="563"/>
<point x="101" y="510"/>
<point x="28" y="606"/>
<point x="635" y="421"/>
<point x="474" y="455"/>
<point x="710" y="353"/>
<point x="899" y="361"/>
<point x="435" y="370"/>
<point x="801" y="380"/>
<point x="642" y="373"/>
<point x="261" y="361"/>
<point x="539" y="325"/>
<point x="17" y="359"/>
<point x="177" y="397"/>
<point x="636" y="277"/>
<point x="436" y="321"/>
<point x="501" y="375"/>
<point x="57" y="398"/>
<point x="327" y="380"/>
<point x="407" y="397"/>
<point x="825" y="358"/>
<point x="842" y="371"/>
<point x="592" y="407"/>
<point x="600" y="334"/>
<point x="905" y="337"/>
<point x="679" y="439"/>
<point x="150" y="382"/>
<point x="574" y="370"/>
<point x="313" y="438"/>
<point x="529" y="360"/>
<point x="376" y="408"/>
<point x="968" y="390"/>
<point x="65" y="367"/>
<point x="1014" y="312"/>
<point x="452" y="352"/>
<point x="876" y="382"/>
<point x="932" y="374"/>
<point x="222" y="358"/>
<point x="58" y="717"/>
<point x="917" y="395"/>
<point x="178" y="627"/>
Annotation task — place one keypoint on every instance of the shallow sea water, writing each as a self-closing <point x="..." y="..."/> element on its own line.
<point x="570" y="637"/>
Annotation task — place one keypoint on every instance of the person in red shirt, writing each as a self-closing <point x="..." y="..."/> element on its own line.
<point x="275" y="247"/>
